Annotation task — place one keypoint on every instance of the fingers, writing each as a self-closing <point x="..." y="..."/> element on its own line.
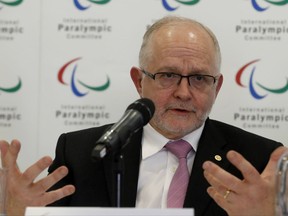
<point x="248" y="171"/>
<point x="22" y="186"/>
<point x="34" y="170"/>
<point x="3" y="147"/>
<point x="274" y="158"/>
<point x="217" y="191"/>
<point x="45" y="183"/>
<point x="9" y="153"/>
<point x="214" y="181"/>
<point x="277" y="153"/>
<point x="219" y="178"/>
<point x="222" y="199"/>
<point x="252" y="195"/>
<point x="55" y="195"/>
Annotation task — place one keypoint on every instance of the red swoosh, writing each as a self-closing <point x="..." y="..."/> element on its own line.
<point x="62" y="69"/>
<point x="241" y="70"/>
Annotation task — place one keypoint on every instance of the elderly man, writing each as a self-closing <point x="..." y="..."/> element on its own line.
<point x="179" y="70"/>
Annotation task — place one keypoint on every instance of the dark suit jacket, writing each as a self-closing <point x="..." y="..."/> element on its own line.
<point x="95" y="183"/>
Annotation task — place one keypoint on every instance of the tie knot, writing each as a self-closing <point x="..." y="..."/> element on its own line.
<point x="179" y="148"/>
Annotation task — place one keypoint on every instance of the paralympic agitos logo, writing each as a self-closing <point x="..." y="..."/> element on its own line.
<point x="84" y="6"/>
<point x="252" y="85"/>
<point x="169" y="7"/>
<point x="264" y="6"/>
<point x="75" y="84"/>
<point x="13" y="88"/>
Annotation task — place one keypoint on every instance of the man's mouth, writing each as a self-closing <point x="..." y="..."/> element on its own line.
<point x="180" y="111"/>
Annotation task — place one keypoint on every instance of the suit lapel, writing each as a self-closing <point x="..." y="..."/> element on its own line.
<point x="211" y="147"/>
<point x="131" y="160"/>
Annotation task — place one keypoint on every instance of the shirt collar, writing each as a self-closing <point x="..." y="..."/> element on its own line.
<point x="153" y="142"/>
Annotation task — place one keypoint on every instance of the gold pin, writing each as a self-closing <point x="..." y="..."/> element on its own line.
<point x="218" y="157"/>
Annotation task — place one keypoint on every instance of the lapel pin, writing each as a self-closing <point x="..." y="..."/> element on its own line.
<point x="218" y="157"/>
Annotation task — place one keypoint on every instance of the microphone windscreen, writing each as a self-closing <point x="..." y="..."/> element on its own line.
<point x="145" y="106"/>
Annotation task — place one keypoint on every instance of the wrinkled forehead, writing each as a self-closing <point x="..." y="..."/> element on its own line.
<point x="188" y="35"/>
<point x="183" y="33"/>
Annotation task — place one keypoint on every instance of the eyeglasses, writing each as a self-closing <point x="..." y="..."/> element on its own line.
<point x="169" y="79"/>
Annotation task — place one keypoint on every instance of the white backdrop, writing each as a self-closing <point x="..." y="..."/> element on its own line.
<point x="53" y="50"/>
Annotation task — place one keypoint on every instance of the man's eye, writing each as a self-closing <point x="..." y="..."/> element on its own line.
<point x="169" y="75"/>
<point x="199" y="78"/>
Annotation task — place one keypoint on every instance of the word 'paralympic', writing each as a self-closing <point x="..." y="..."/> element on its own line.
<point x="82" y="115"/>
<point x="11" y="30"/>
<point x="262" y="30"/>
<point x="84" y="28"/>
<point x="261" y="118"/>
<point x="10" y="117"/>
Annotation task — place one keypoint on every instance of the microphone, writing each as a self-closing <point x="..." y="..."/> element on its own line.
<point x="137" y="115"/>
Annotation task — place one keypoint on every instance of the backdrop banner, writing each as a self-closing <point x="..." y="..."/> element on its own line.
<point x="65" y="64"/>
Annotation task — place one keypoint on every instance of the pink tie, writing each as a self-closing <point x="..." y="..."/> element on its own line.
<point x="179" y="183"/>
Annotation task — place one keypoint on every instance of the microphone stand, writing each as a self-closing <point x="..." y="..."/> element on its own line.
<point x="118" y="175"/>
<point x="99" y="152"/>
<point x="119" y="169"/>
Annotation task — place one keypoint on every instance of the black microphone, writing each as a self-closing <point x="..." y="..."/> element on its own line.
<point x="137" y="115"/>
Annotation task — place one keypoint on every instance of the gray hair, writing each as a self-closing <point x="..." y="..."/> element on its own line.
<point x="145" y="50"/>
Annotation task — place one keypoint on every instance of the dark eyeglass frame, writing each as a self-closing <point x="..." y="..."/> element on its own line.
<point x="152" y="76"/>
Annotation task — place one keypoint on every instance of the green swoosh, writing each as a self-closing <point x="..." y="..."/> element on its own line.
<point x="188" y="3"/>
<point x="97" y="88"/>
<point x="11" y="3"/>
<point x="13" y="89"/>
<point x="284" y="2"/>
<point x="276" y="91"/>
<point x="99" y="2"/>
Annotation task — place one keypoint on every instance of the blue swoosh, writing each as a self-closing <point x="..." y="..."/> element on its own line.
<point x="257" y="7"/>
<point x="73" y="85"/>
<point x="252" y="89"/>
<point x="79" y="6"/>
<point x="167" y="6"/>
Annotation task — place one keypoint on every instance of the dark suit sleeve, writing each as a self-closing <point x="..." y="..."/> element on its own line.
<point x="60" y="161"/>
<point x="89" y="177"/>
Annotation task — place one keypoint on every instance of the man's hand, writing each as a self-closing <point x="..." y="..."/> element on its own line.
<point x="22" y="191"/>
<point x="252" y="196"/>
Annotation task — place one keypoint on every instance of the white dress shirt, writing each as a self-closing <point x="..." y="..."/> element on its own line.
<point x="158" y="167"/>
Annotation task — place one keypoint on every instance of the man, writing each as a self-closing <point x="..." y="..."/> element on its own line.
<point x="179" y="70"/>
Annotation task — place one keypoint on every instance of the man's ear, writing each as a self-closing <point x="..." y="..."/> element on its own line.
<point x="136" y="76"/>
<point x="219" y="84"/>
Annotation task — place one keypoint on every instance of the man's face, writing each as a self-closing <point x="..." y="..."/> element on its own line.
<point x="185" y="50"/>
